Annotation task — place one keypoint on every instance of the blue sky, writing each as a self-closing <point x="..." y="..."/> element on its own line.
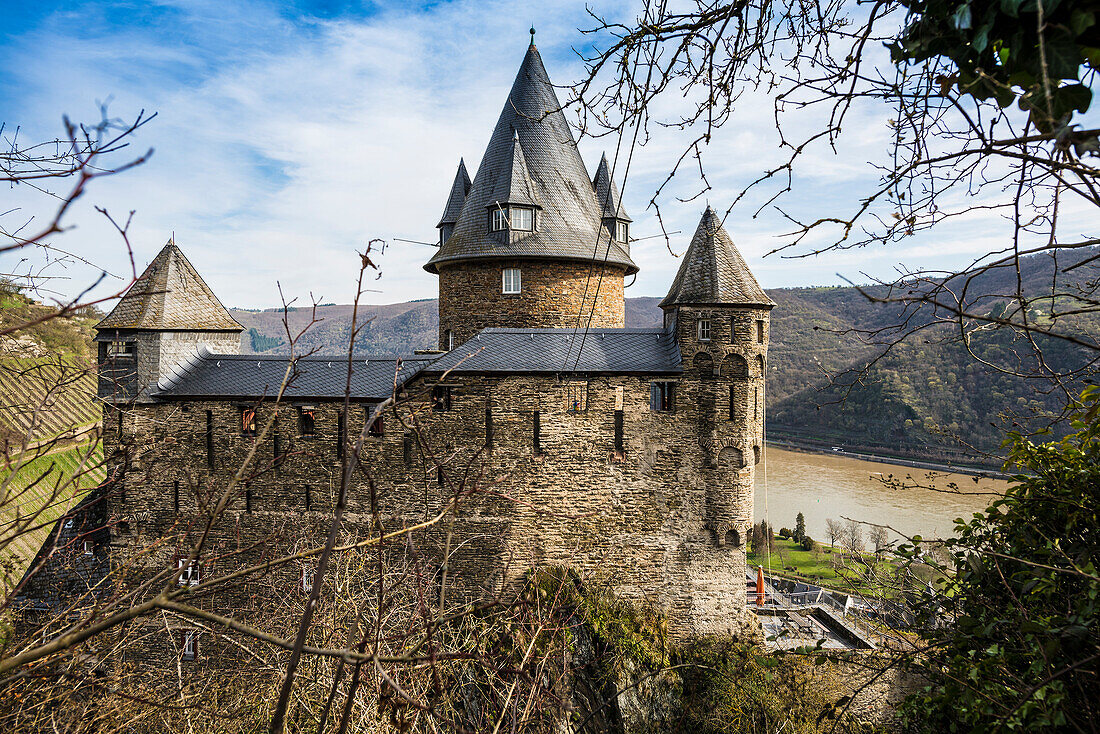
<point x="289" y="134"/>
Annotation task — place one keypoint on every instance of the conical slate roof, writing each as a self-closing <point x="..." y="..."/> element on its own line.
<point x="607" y="193"/>
<point x="170" y="296"/>
<point x="569" y="223"/>
<point x="457" y="197"/>
<point x="713" y="271"/>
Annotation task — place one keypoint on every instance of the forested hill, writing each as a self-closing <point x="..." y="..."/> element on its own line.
<point x="913" y="402"/>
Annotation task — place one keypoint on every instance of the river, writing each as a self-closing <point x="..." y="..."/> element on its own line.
<point x="823" y="486"/>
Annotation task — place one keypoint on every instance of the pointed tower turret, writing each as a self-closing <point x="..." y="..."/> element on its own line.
<point x="163" y="319"/>
<point x="529" y="245"/>
<point x="719" y="315"/>
<point x="615" y="219"/>
<point x="459" y="189"/>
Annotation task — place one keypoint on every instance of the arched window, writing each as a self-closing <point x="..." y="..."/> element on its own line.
<point x="703" y="364"/>
<point x="731" y="458"/>
<point x="734" y="365"/>
<point x="733" y="538"/>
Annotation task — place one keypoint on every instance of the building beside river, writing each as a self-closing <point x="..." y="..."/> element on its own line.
<point x="625" y="454"/>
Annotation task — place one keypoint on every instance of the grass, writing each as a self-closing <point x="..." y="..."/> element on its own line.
<point x="828" y="566"/>
<point x="34" y="495"/>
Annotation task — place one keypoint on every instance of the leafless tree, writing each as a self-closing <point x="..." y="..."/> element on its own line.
<point x="964" y="143"/>
<point x="834" y="529"/>
<point x="853" y="536"/>
<point x="879" y="538"/>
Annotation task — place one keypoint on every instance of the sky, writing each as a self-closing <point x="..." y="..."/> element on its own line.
<point x="287" y="135"/>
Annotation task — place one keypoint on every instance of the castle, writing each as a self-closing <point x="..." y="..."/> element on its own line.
<point x="623" y="453"/>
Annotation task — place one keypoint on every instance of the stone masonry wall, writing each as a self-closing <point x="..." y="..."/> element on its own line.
<point x="553" y="295"/>
<point x="663" y="521"/>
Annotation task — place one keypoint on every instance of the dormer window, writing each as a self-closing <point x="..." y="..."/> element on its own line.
<point x="516" y="218"/>
<point x="445" y="232"/>
<point x="617" y="229"/>
<point x="120" y="350"/>
<point x="511" y="281"/>
<point x="523" y="218"/>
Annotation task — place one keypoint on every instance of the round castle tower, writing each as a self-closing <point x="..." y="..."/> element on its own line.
<point x="720" y="314"/>
<point x="532" y="241"/>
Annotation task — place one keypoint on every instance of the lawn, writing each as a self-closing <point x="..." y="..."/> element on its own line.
<point x="34" y="495"/>
<point x="827" y="566"/>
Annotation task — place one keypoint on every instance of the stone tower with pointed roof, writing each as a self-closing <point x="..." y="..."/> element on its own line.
<point x="165" y="317"/>
<point x="532" y="241"/>
<point x="719" y="315"/>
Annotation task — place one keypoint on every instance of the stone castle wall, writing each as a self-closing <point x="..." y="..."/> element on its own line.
<point x="663" y="520"/>
<point x="553" y="295"/>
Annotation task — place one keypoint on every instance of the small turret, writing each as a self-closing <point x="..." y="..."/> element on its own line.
<point x="719" y="315"/>
<point x="616" y="221"/>
<point x="163" y="319"/>
<point x="455" y="200"/>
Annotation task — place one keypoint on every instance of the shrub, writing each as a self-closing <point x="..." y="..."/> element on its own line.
<point x="784" y="533"/>
<point x="808" y="543"/>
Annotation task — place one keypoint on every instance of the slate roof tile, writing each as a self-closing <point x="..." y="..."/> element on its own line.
<point x="170" y="295"/>
<point x="570" y="223"/>
<point x="457" y="197"/>
<point x="713" y="271"/>
<point x="564" y="350"/>
<point x="315" y="376"/>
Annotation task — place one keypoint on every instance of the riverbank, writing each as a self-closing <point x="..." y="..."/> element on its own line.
<point x="811" y="447"/>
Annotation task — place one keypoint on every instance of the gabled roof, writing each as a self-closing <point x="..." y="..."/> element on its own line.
<point x="170" y="295"/>
<point x="315" y="376"/>
<point x="514" y="184"/>
<point x="570" y="224"/>
<point x="713" y="271"/>
<point x="607" y="193"/>
<point x="457" y="197"/>
<point x="647" y="351"/>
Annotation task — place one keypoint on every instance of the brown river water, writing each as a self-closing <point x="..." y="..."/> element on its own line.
<point x="823" y="486"/>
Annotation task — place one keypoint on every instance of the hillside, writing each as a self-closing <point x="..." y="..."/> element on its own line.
<point x="927" y="398"/>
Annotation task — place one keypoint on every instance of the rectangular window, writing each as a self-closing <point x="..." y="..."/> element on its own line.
<point x="450" y="340"/>
<point x="576" y="397"/>
<point x="622" y="230"/>
<point x="307" y="580"/>
<point x="190" y="571"/>
<point x="441" y="398"/>
<point x="498" y="219"/>
<point x="536" y="438"/>
<point x="439" y="475"/>
<point x="307" y="420"/>
<point x="309" y="498"/>
<point x="662" y="396"/>
<point x="619" y="432"/>
<point x="189" y="645"/>
<point x="248" y="499"/>
<point x="248" y="422"/>
<point x="377" y="428"/>
<point x="522" y="218"/>
<point x="276" y="446"/>
<point x="760" y="332"/>
<point x="176" y="495"/>
<point x="89" y="548"/>
<point x="209" y="439"/>
<point x="120" y="350"/>
<point x="511" y="281"/>
<point x="703" y="330"/>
